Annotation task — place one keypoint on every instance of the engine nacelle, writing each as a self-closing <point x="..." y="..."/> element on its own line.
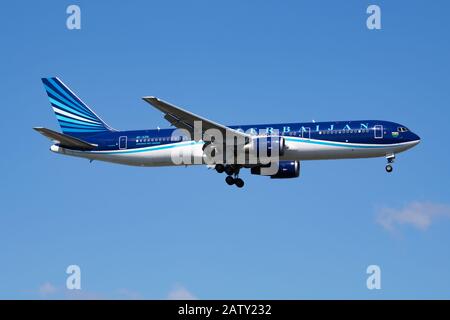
<point x="266" y="146"/>
<point x="286" y="170"/>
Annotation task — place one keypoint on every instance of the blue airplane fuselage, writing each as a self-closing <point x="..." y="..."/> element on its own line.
<point x="374" y="132"/>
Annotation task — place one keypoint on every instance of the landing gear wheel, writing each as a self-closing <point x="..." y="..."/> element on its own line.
<point x="220" y="168"/>
<point x="389" y="168"/>
<point x="230" y="180"/>
<point x="239" y="182"/>
<point x="229" y="170"/>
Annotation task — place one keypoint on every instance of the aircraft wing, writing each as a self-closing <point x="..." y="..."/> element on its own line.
<point x="65" y="140"/>
<point x="184" y="119"/>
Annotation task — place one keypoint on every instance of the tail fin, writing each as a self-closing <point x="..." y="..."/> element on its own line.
<point x="74" y="116"/>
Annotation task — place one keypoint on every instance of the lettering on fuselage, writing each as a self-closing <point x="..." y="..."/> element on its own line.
<point x="313" y="126"/>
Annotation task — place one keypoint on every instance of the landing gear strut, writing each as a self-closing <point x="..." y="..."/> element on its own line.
<point x="390" y="159"/>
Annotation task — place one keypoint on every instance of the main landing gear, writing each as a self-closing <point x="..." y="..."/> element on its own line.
<point x="390" y="159"/>
<point x="232" y="174"/>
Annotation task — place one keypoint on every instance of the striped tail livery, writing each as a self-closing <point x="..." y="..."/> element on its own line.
<point x="74" y="116"/>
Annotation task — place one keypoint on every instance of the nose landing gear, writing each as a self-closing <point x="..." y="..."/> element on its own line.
<point x="390" y="159"/>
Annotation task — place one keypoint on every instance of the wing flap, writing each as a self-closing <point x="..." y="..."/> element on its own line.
<point x="178" y="123"/>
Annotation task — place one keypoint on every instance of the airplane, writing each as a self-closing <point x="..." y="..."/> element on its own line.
<point x="84" y="134"/>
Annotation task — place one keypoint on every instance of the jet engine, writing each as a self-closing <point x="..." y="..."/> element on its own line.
<point x="286" y="169"/>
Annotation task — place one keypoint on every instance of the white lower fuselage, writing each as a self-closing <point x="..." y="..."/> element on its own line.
<point x="296" y="149"/>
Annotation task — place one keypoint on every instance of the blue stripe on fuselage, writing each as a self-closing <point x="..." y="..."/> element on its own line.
<point x="182" y="144"/>
<point x="154" y="148"/>
<point x="336" y="144"/>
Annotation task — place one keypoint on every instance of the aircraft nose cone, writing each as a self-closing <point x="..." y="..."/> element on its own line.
<point x="415" y="139"/>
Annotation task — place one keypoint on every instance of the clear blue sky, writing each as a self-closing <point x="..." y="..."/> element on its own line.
<point x="158" y="233"/>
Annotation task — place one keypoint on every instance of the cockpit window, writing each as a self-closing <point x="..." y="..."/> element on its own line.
<point x="402" y="129"/>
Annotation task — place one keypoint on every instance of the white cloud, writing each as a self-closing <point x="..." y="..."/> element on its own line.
<point x="47" y="289"/>
<point x="129" y="294"/>
<point x="180" y="293"/>
<point x="82" y="295"/>
<point x="417" y="214"/>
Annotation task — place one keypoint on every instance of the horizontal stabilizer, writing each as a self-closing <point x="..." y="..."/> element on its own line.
<point x="65" y="140"/>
